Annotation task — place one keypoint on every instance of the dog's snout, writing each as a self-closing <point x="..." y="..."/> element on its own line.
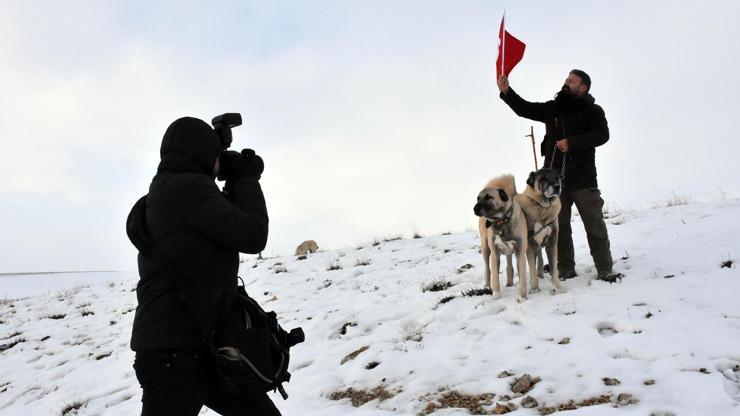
<point x="476" y="209"/>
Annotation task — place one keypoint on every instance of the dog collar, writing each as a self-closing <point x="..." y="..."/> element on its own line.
<point x="497" y="224"/>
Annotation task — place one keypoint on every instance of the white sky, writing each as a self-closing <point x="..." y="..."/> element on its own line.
<point x="374" y="118"/>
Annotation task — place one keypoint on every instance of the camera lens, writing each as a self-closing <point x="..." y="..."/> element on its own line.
<point x="296" y="336"/>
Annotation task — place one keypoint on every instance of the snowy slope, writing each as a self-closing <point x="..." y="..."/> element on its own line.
<point x="666" y="340"/>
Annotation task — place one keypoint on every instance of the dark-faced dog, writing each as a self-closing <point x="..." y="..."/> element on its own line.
<point x="540" y="204"/>
<point x="503" y="230"/>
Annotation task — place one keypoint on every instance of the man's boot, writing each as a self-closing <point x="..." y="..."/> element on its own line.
<point x="610" y="277"/>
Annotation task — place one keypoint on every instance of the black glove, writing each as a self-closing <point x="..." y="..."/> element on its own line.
<point x="235" y="165"/>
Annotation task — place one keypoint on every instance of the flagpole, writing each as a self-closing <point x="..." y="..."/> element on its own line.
<point x="503" y="42"/>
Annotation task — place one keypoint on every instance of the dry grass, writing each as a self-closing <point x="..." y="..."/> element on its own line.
<point x="573" y="405"/>
<point x="360" y="397"/>
<point x="473" y="403"/>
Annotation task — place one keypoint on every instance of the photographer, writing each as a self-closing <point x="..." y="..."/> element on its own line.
<point x="200" y="232"/>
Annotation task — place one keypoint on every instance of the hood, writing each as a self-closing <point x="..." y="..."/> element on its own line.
<point x="189" y="145"/>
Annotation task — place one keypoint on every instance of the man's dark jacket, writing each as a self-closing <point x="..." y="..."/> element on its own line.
<point x="579" y="120"/>
<point x="201" y="231"/>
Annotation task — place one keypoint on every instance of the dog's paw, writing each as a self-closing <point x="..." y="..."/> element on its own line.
<point x="509" y="284"/>
<point x="534" y="290"/>
<point x="521" y="299"/>
<point x="496" y="295"/>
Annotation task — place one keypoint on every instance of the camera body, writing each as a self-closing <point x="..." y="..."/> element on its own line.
<point x="223" y="124"/>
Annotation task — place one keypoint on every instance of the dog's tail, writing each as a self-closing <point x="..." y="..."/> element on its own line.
<point x="505" y="182"/>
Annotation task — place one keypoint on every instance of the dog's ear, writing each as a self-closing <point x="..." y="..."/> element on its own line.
<point x="530" y="180"/>
<point x="503" y="195"/>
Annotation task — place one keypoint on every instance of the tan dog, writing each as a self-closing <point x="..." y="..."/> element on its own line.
<point x="540" y="203"/>
<point x="308" y="246"/>
<point x="503" y="230"/>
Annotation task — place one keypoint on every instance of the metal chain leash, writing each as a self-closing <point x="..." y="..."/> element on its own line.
<point x="555" y="146"/>
<point x="552" y="161"/>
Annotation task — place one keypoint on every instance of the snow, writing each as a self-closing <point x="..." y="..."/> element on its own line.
<point x="674" y="319"/>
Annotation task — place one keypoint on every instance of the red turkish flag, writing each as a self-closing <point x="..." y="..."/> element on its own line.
<point x="510" y="51"/>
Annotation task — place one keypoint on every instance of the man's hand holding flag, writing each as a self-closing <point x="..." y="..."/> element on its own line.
<point x="510" y="52"/>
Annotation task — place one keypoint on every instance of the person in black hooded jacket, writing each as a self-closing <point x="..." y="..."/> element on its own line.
<point x="574" y="127"/>
<point x="200" y="231"/>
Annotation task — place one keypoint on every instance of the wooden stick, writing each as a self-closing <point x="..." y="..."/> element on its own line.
<point x="534" y="153"/>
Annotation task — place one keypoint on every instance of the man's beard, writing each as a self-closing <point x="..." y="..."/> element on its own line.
<point x="565" y="95"/>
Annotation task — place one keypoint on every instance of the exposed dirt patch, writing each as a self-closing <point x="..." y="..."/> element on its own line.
<point x="11" y="344"/>
<point x="73" y="408"/>
<point x="477" y="292"/>
<point x="573" y="405"/>
<point x="524" y="384"/>
<point x="437" y="286"/>
<point x="611" y="381"/>
<point x="445" y="299"/>
<point x="360" y="397"/>
<point x="453" y="399"/>
<point x="354" y="354"/>
<point x="529" y="402"/>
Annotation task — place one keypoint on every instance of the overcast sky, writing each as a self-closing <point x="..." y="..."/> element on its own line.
<point x="374" y="118"/>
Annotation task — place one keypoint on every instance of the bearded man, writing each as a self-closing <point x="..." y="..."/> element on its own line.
<point x="575" y="126"/>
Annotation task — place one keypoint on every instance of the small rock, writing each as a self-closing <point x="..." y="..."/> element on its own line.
<point x="610" y="381"/>
<point x="504" y="408"/>
<point x="564" y="341"/>
<point x="529" y="402"/>
<point x="625" y="399"/>
<point x="649" y="382"/>
<point x="505" y="374"/>
<point x="303" y="257"/>
<point x="524" y="384"/>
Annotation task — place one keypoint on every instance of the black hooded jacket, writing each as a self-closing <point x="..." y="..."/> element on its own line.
<point x="201" y="231"/>
<point x="581" y="121"/>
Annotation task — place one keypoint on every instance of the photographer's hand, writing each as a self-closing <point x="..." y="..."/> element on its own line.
<point x="235" y="165"/>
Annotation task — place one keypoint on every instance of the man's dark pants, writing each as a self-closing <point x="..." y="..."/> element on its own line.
<point x="589" y="204"/>
<point x="181" y="383"/>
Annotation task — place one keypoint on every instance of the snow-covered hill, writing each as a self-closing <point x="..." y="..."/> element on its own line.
<point x="392" y="329"/>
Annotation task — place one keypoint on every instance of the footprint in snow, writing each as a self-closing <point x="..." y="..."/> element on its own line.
<point x="608" y="329"/>
<point x="730" y="370"/>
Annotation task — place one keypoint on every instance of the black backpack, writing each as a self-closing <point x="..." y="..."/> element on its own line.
<point x="251" y="350"/>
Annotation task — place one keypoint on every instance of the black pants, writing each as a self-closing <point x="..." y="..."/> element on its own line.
<point x="181" y="383"/>
<point x="589" y="203"/>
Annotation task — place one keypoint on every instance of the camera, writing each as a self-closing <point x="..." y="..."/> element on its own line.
<point x="296" y="336"/>
<point x="223" y="124"/>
